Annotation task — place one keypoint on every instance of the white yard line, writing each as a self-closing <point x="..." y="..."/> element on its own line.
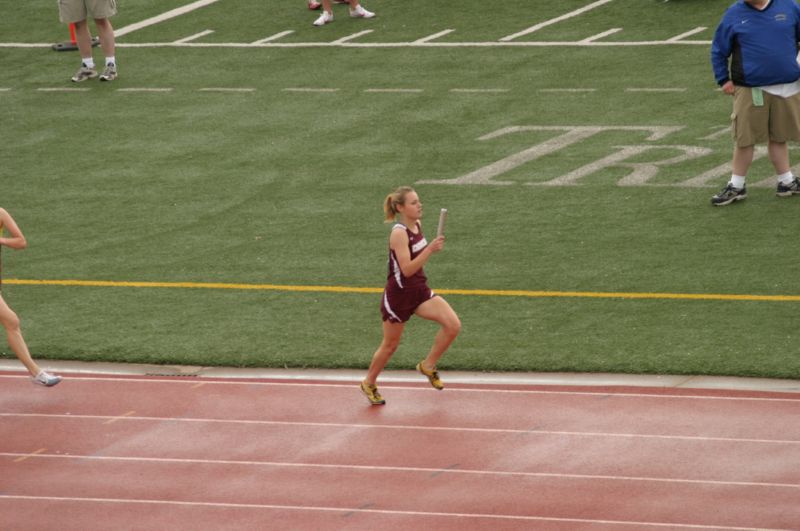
<point x="687" y="34"/>
<point x="568" y="90"/>
<point x="223" y="89"/>
<point x="434" y="36"/>
<point x="195" y="36"/>
<point x="434" y="44"/>
<point x="479" y="91"/>
<point x="304" y="89"/>
<point x="345" y="44"/>
<point x="654" y="89"/>
<point x="556" y="20"/>
<point x="64" y="89"/>
<point x="162" y="17"/>
<point x="145" y="89"/>
<point x="353" y="36"/>
<point x="601" y="35"/>
<point x="274" y="37"/>
<point x="396" y="90"/>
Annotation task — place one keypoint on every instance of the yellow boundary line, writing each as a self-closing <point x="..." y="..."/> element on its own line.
<point x="354" y="289"/>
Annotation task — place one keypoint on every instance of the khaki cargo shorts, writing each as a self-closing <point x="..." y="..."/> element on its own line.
<point x="778" y="119"/>
<point x="76" y="10"/>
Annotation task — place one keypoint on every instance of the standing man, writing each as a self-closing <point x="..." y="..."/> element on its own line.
<point x="77" y="12"/>
<point x="754" y="56"/>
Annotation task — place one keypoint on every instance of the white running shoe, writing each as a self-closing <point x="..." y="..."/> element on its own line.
<point x="46" y="379"/>
<point x="313" y="5"/>
<point x="360" y="12"/>
<point x="324" y="18"/>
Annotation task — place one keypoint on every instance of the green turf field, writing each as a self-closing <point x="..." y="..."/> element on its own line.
<point x="577" y="158"/>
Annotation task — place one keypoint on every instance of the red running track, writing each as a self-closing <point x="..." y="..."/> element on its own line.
<point x="101" y="452"/>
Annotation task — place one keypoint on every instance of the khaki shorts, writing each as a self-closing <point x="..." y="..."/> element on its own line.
<point x="76" y="10"/>
<point x="777" y="120"/>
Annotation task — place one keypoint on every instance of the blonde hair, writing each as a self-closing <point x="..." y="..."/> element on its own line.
<point x="398" y="197"/>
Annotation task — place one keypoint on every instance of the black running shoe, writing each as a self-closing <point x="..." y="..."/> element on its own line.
<point x="729" y="194"/>
<point x="785" y="190"/>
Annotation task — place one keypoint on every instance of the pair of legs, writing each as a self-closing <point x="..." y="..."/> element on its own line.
<point x="327" y="5"/>
<point x="10" y="322"/>
<point x="778" y="155"/>
<point x="84" y="39"/>
<point x="435" y="309"/>
<point x="356" y="10"/>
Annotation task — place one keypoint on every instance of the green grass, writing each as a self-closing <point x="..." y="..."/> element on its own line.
<point x="279" y="187"/>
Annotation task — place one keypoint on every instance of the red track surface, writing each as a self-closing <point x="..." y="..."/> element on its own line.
<point x="99" y="452"/>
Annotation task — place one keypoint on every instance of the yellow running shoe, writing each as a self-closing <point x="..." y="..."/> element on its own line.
<point x="372" y="393"/>
<point x="433" y="376"/>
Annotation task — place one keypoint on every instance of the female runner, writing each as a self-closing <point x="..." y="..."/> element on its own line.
<point x="9" y="319"/>
<point x="407" y="292"/>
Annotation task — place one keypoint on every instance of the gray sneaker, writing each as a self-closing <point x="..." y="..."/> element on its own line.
<point x="83" y="74"/>
<point x="110" y="73"/>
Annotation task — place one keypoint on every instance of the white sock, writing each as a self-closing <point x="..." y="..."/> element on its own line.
<point x="737" y="181"/>
<point x="88" y="62"/>
<point x="111" y="60"/>
<point x="786" y="178"/>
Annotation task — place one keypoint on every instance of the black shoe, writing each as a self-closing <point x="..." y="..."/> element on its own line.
<point x="729" y="194"/>
<point x="785" y="190"/>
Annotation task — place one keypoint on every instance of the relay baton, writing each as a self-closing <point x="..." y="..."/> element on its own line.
<point x="442" y="218"/>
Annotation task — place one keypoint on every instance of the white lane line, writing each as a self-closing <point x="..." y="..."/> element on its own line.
<point x="120" y="417"/>
<point x="310" y="508"/>
<point x="409" y="427"/>
<point x="196" y="36"/>
<point x="459" y="471"/>
<point x="144" y="89"/>
<point x="274" y="37"/>
<point x="599" y="36"/>
<point x="433" y="37"/>
<point x="351" y="37"/>
<point x="162" y="17"/>
<point x="24" y="457"/>
<point x="478" y="91"/>
<point x="396" y="90"/>
<point x="304" y="89"/>
<point x="64" y="89"/>
<point x="682" y="36"/>
<point x="2" y="89"/>
<point x="309" y="382"/>
<point x="224" y="89"/>
<point x="556" y="20"/>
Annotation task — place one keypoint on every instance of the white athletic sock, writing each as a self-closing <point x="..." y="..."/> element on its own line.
<point x="737" y="181"/>
<point x="111" y="60"/>
<point x="88" y="62"/>
<point x="786" y="178"/>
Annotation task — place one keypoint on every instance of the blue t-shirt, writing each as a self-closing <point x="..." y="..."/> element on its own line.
<point x="761" y="45"/>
